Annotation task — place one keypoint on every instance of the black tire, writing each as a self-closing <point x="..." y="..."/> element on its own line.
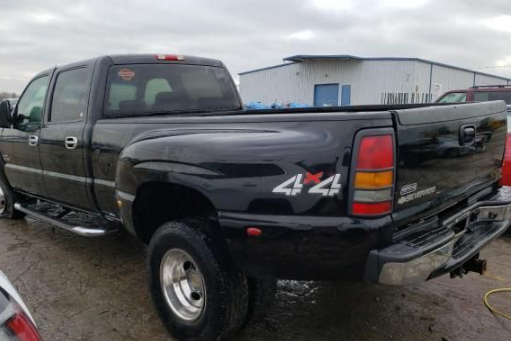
<point x="261" y="297"/>
<point x="7" y="200"/>
<point x="226" y="289"/>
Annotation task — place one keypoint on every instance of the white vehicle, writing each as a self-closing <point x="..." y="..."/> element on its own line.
<point x="16" y="323"/>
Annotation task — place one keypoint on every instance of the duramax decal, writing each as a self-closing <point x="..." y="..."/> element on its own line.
<point x="416" y="195"/>
<point x="295" y="185"/>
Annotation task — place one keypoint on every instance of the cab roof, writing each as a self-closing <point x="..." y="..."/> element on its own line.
<point x="121" y="59"/>
<point x="152" y="58"/>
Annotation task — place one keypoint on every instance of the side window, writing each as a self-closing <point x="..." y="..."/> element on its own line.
<point x="30" y="106"/>
<point x="481" y="96"/>
<point x="71" y="96"/>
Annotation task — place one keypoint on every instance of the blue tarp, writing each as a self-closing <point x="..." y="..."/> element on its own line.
<point x="297" y="105"/>
<point x="256" y="106"/>
<point x="276" y="105"/>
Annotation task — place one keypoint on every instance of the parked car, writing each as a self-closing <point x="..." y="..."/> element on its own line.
<point x="478" y="94"/>
<point x="230" y="200"/>
<point x="16" y="323"/>
<point x="506" y="164"/>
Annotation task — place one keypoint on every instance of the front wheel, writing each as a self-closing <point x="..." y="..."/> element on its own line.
<point x="196" y="289"/>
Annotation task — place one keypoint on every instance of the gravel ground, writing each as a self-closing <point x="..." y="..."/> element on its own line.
<point x="95" y="289"/>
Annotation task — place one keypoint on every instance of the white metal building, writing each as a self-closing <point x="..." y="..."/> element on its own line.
<point x="349" y="80"/>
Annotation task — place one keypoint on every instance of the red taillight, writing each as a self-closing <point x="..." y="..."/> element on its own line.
<point x="373" y="176"/>
<point x="23" y="328"/>
<point x="371" y="209"/>
<point x="169" y="57"/>
<point x="376" y="152"/>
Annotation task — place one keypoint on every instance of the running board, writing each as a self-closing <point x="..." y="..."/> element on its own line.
<point x="79" y="230"/>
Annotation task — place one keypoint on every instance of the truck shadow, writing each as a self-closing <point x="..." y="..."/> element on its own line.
<point x="342" y="311"/>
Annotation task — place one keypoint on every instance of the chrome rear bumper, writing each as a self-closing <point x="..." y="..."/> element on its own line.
<point x="435" y="247"/>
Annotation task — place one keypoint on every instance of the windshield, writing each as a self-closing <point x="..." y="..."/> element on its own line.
<point x="453" y="97"/>
<point x="485" y="96"/>
<point x="152" y="88"/>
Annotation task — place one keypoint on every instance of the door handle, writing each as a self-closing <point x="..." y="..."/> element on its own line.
<point x="467" y="135"/>
<point x="33" y="140"/>
<point x="71" y="142"/>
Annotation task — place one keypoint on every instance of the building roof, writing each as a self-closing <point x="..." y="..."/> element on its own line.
<point x="306" y="57"/>
<point x="302" y="57"/>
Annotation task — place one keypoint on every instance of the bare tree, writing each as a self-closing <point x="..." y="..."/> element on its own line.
<point x="4" y="95"/>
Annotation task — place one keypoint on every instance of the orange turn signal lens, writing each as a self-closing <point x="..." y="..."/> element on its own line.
<point x="374" y="179"/>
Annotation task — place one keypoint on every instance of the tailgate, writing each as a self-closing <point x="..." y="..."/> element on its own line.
<point x="446" y="154"/>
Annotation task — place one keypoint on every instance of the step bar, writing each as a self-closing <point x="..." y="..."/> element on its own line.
<point x="79" y="230"/>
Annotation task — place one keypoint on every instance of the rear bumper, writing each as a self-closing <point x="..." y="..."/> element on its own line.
<point x="433" y="248"/>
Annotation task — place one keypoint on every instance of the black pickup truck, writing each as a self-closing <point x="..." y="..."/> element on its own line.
<point x="230" y="200"/>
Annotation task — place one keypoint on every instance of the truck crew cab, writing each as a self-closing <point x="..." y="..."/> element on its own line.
<point x="230" y="200"/>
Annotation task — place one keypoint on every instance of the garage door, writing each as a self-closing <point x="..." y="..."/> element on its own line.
<point x="326" y="95"/>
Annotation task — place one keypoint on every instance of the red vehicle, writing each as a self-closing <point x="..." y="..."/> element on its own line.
<point x="478" y="94"/>
<point x="484" y="94"/>
<point x="506" y="164"/>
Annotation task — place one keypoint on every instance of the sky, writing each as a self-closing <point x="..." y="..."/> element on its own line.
<point x="250" y="34"/>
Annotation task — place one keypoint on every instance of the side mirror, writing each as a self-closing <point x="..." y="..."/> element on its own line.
<point x="5" y="114"/>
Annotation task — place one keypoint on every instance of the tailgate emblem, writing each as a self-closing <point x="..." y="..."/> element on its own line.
<point x="407" y="189"/>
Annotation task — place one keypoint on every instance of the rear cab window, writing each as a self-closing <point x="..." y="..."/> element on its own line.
<point x="166" y="88"/>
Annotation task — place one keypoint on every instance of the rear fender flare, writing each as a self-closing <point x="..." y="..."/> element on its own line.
<point x="129" y="181"/>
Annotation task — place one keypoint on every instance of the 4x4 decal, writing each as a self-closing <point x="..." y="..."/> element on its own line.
<point x="295" y="185"/>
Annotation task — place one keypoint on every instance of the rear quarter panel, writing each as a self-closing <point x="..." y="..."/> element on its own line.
<point x="236" y="162"/>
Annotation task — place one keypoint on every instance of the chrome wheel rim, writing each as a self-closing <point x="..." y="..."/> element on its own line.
<point x="2" y="201"/>
<point x="182" y="285"/>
